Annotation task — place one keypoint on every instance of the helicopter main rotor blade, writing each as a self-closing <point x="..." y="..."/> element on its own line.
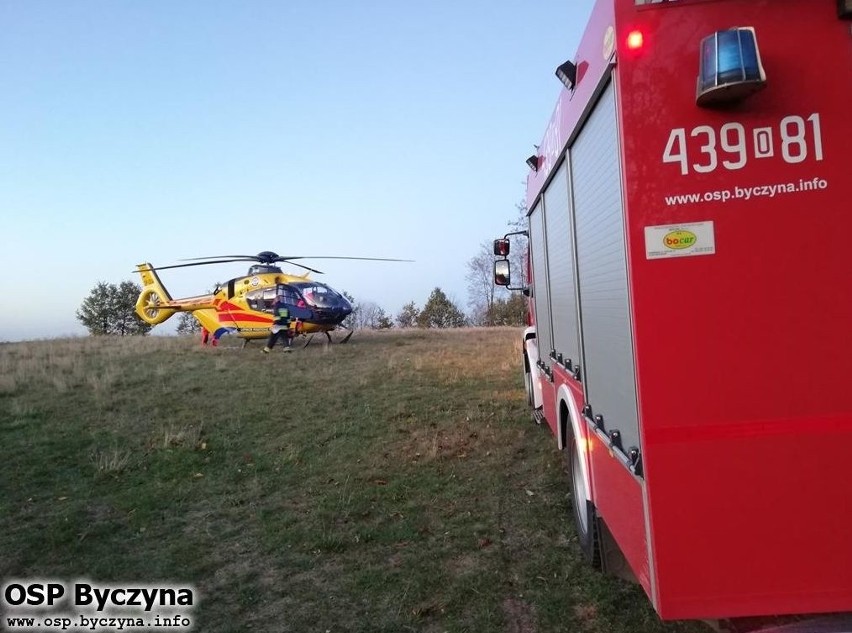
<point x="256" y="258"/>
<point x="218" y="261"/>
<point x="313" y="270"/>
<point x="228" y="261"/>
<point x="269" y="257"/>
<point x="371" y="259"/>
<point x="235" y="258"/>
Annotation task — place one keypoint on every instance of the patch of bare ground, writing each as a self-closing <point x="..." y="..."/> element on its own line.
<point x="519" y="615"/>
<point x="429" y="443"/>
<point x="587" y="614"/>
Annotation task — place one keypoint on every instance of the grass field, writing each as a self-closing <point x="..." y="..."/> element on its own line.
<point x="395" y="483"/>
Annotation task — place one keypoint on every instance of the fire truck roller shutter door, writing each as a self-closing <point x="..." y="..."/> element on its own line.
<point x="541" y="292"/>
<point x="560" y="265"/>
<point x="609" y="372"/>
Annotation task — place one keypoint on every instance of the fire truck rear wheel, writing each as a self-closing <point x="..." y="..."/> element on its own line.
<point x="585" y="515"/>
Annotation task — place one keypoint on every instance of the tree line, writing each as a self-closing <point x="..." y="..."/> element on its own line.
<point x="109" y="309"/>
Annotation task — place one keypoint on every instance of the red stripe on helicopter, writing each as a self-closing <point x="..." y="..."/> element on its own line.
<point x="227" y="305"/>
<point x="243" y="316"/>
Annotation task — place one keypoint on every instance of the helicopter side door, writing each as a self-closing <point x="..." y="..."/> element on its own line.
<point x="296" y="303"/>
<point x="261" y="300"/>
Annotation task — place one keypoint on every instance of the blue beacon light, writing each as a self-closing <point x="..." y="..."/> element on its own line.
<point x="730" y="67"/>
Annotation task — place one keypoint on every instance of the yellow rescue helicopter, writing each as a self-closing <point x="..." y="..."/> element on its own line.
<point x="242" y="306"/>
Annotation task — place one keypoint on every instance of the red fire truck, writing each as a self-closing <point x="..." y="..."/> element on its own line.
<point x="689" y="209"/>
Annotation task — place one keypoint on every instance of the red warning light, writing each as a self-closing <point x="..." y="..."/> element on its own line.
<point x="635" y="40"/>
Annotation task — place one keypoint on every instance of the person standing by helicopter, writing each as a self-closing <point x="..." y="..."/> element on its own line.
<point x="281" y="320"/>
<point x="207" y="338"/>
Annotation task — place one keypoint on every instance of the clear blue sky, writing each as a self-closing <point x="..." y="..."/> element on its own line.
<point x="158" y="130"/>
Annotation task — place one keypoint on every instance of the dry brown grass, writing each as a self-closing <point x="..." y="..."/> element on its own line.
<point x="391" y="484"/>
<point x="110" y="461"/>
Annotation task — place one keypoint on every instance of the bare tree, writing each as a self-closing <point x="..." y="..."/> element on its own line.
<point x="351" y="320"/>
<point x="407" y="316"/>
<point x="481" y="289"/>
<point x="188" y="324"/>
<point x="482" y="292"/>
<point x="384" y="322"/>
<point x="367" y="316"/>
<point x="519" y="245"/>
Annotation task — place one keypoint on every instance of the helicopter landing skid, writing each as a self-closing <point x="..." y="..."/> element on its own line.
<point x="330" y="341"/>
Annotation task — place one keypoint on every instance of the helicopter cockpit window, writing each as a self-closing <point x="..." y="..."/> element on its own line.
<point x="321" y="296"/>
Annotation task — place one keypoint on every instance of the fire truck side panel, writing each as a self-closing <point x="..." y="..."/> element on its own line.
<point x="607" y="366"/>
<point x="607" y="370"/>
<point x="743" y="352"/>
<point x="560" y="263"/>
<point x="619" y="501"/>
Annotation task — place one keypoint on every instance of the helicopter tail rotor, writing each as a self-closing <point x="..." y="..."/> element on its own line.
<point x="149" y="305"/>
